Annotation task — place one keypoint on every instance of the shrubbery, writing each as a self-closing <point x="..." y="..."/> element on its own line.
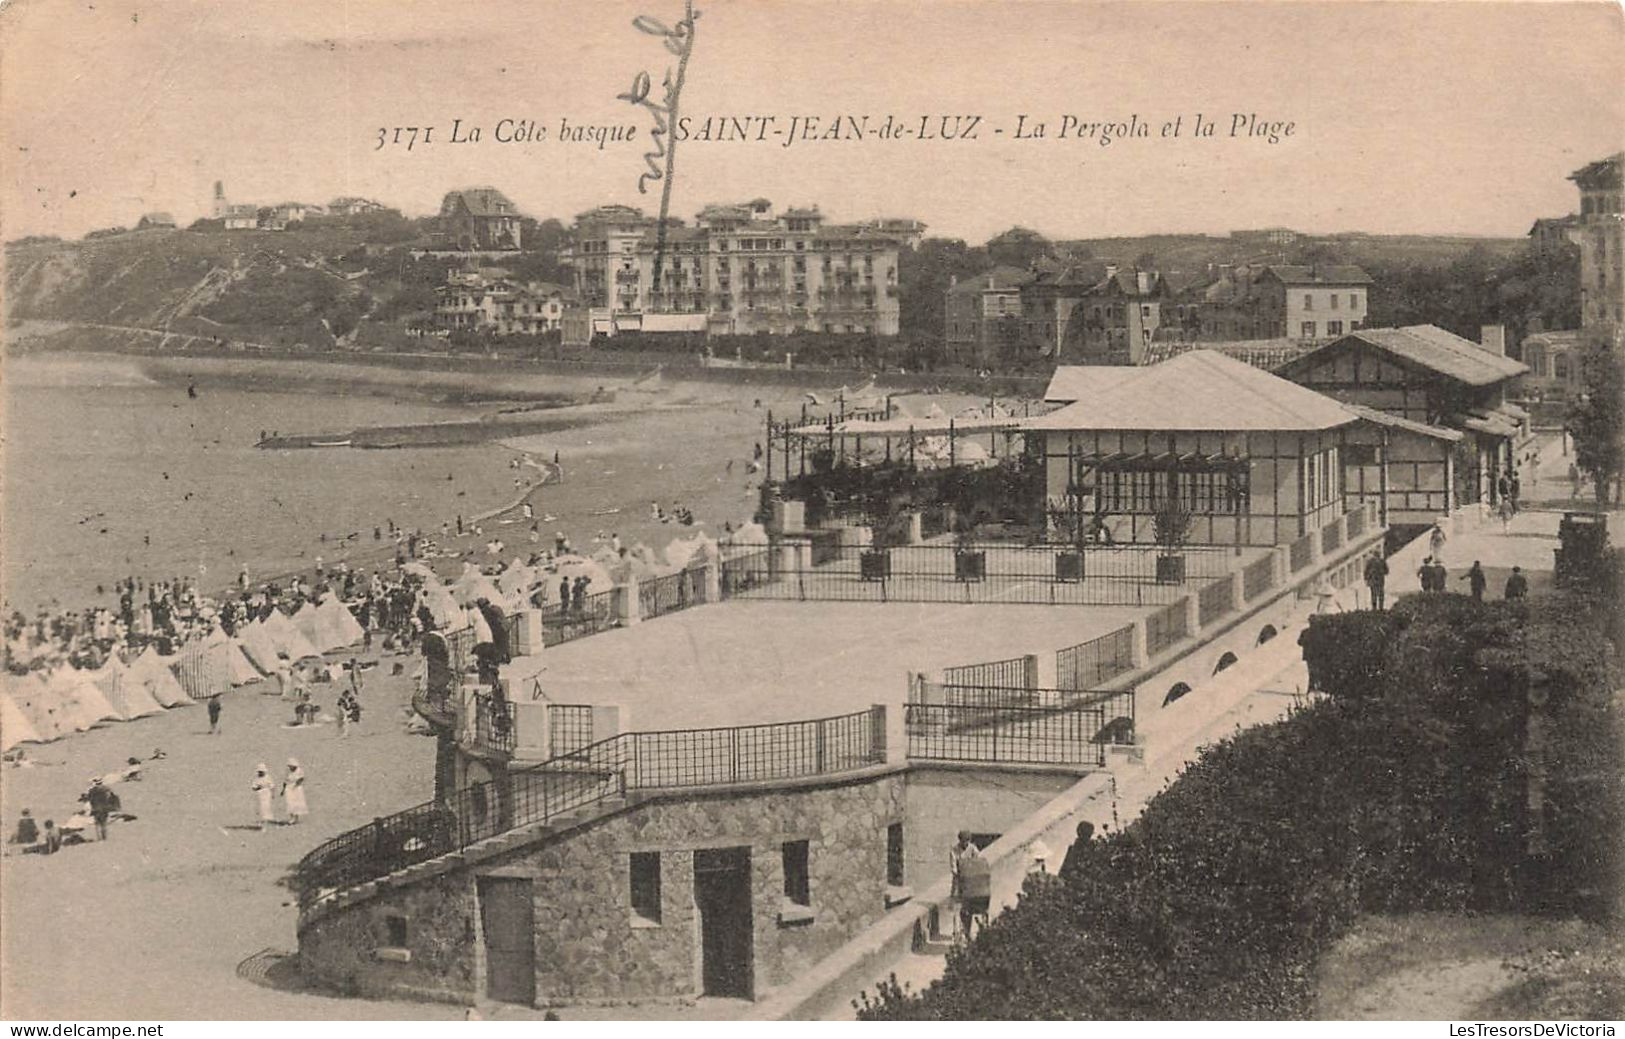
<point x="1403" y="789"/>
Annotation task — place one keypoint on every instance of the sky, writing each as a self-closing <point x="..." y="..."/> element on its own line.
<point x="1444" y="118"/>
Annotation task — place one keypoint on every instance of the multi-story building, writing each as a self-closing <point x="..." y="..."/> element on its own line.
<point x="488" y="300"/>
<point x="479" y="219"/>
<point x="1553" y="234"/>
<point x="354" y="206"/>
<point x="1601" y="234"/>
<point x="742" y="268"/>
<point x="1297" y="301"/>
<point x="982" y="315"/>
<point x="1116" y="320"/>
<point x="1053" y="289"/>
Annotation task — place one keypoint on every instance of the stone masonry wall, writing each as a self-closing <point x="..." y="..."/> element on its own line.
<point x="342" y="950"/>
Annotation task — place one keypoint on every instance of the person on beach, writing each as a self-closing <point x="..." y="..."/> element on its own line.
<point x="264" y="790"/>
<point x="1505" y="511"/>
<point x="345" y="708"/>
<point x="51" y="841"/>
<point x="27" y="833"/>
<point x="293" y="793"/>
<point x="214" y="715"/>
<point x="103" y="803"/>
<point x="1476" y="580"/>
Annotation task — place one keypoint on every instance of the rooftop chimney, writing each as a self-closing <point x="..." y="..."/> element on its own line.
<point x="1143" y="281"/>
<point x="1493" y="338"/>
<point x="1111" y="271"/>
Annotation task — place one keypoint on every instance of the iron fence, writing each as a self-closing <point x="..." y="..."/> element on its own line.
<point x="935" y="520"/>
<point x="658" y="596"/>
<point x="747" y="570"/>
<point x="1302" y="552"/>
<point x="1165" y="627"/>
<point x="565" y="622"/>
<point x="587" y="776"/>
<point x="569" y="728"/>
<point x="989" y="572"/>
<point x="1010" y="673"/>
<point x="1009" y="735"/>
<point x="1089" y="665"/>
<point x="1331" y="536"/>
<point x="1216" y="599"/>
<point x="825" y="545"/>
<point x="1258" y="577"/>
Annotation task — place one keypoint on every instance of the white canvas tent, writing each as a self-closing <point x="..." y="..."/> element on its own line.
<point x="30" y="696"/>
<point x="336" y="626"/>
<point x="304" y="622"/>
<point x="81" y="704"/>
<point x="287" y="637"/>
<point x="259" y="645"/>
<point x="15" y="727"/>
<point x="157" y="675"/>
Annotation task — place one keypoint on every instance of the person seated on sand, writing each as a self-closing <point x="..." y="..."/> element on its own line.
<point x="50" y="841"/>
<point x="131" y="772"/>
<point x="27" y="833"/>
<point x="158" y="754"/>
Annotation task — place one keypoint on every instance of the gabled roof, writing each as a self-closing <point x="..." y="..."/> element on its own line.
<point x="1383" y="418"/>
<point x="1324" y="274"/>
<point x="1073" y="382"/>
<point x="1602" y="174"/>
<point x="482" y="202"/>
<point x="1199" y="391"/>
<point x="1433" y="348"/>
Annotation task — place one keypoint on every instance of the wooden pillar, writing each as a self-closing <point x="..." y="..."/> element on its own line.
<point x="770" y="445"/>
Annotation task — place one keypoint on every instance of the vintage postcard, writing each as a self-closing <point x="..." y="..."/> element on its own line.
<point x="778" y="510"/>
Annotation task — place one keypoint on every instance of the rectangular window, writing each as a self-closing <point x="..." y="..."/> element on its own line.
<point x="797" y="883"/>
<point x="645" y="876"/>
<point x="1334" y="328"/>
<point x="1334" y="301"/>
<point x="1308" y="330"/>
<point x="395" y="925"/>
<point x="1308" y="301"/>
<point x="894" y="855"/>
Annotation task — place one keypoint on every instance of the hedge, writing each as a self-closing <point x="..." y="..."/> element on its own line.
<point x="1401" y="790"/>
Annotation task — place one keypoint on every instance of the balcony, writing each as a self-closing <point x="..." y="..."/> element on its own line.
<point x="494" y="729"/>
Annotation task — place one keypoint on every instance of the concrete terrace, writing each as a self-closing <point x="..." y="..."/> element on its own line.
<point x="747" y="662"/>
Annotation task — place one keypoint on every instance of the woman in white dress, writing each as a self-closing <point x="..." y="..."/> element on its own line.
<point x="293" y="793"/>
<point x="264" y="790"/>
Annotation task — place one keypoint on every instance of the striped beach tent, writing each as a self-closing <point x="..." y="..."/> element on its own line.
<point x="203" y="668"/>
<point x="128" y="696"/>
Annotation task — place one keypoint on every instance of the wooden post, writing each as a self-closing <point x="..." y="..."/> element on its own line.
<point x="770" y="445"/>
<point x="911" y="447"/>
<point x="952" y="457"/>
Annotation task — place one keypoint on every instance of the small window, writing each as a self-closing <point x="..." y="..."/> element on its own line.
<point x="1334" y="328"/>
<point x="797" y="883"/>
<point x="1308" y="301"/>
<point x="1308" y="330"/>
<point x="645" y="874"/>
<point x="894" y="855"/>
<point x="395" y="925"/>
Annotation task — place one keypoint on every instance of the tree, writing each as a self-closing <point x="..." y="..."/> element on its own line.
<point x="1017" y="247"/>
<point x="1596" y="420"/>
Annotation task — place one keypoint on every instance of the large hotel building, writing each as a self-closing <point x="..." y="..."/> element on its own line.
<point x="740" y="270"/>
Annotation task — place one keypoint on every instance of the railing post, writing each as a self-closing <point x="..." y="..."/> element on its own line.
<point x="818" y="746"/>
<point x="629" y="608"/>
<point x="1139" y="653"/>
<point x="1193" y="615"/>
<point x="1238" y="592"/>
<point x="1280" y="565"/>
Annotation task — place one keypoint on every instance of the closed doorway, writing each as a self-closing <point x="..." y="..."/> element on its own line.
<point x="727" y="948"/>
<point x="507" y="915"/>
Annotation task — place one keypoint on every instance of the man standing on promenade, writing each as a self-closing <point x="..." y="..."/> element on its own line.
<point x="972" y="883"/>
<point x="1376" y="576"/>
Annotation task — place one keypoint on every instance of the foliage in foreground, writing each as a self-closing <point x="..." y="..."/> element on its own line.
<point x="1402" y="790"/>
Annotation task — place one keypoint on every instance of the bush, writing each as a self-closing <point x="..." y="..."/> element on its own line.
<point x="1403" y="790"/>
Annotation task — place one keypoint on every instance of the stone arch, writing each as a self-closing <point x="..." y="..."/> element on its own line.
<point x="1225" y="661"/>
<point x="1266" y="633"/>
<point x="1178" y="689"/>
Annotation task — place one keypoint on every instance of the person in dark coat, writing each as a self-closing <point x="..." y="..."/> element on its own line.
<point x="214" y="716"/>
<point x="1476" y="580"/>
<point x="27" y="833"/>
<point x="1072" y="865"/>
<point x="1517" y="584"/>
<point x="103" y="803"/>
<point x="1376" y="576"/>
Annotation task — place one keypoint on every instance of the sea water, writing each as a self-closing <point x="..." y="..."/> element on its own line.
<point x="106" y="474"/>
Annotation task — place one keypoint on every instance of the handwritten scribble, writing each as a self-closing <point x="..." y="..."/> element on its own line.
<point x="679" y="40"/>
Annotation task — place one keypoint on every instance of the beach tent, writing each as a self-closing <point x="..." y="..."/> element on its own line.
<point x="691" y="551"/>
<point x="125" y="692"/>
<point x="239" y="667"/>
<point x="748" y="535"/>
<point x="81" y="704"/>
<point x="15" y="727"/>
<point x="336" y="626"/>
<point x="259" y="645"/>
<point x="203" y="668"/>
<point x="517" y="580"/>
<point x="473" y="585"/>
<point x="443" y="606"/>
<point x="304" y="622"/>
<point x="598" y="578"/>
<point x="157" y="675"/>
<point x="29" y="695"/>
<point x="287" y="637"/>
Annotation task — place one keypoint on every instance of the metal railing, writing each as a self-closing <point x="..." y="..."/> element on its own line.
<point x="658" y="596"/>
<point x="494" y="727"/>
<point x="1302" y="552"/>
<point x="569" y="728"/>
<point x="1010" y="673"/>
<point x="566" y="622"/>
<point x="1331" y="536"/>
<point x="1005" y="734"/>
<point x="1089" y="665"/>
<point x="1113" y="575"/>
<point x="589" y="776"/>
<point x="1165" y="627"/>
<point x="746" y="571"/>
<point x="825" y="545"/>
<point x="1215" y="600"/>
<point x="1258" y="577"/>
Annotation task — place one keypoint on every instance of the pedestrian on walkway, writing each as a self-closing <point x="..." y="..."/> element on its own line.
<point x="1517" y="585"/>
<point x="1513" y="490"/>
<point x="972" y="883"/>
<point x="1476" y="580"/>
<point x="1505" y="511"/>
<point x="1436" y="539"/>
<point x="264" y="789"/>
<point x="293" y="793"/>
<point x="1376" y="576"/>
<point x="1574" y="480"/>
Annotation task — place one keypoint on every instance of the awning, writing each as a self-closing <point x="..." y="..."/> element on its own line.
<point x="1489" y="423"/>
